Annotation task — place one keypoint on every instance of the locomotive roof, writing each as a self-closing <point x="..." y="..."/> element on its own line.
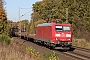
<point x="49" y="24"/>
<point x="15" y="27"/>
<point x="44" y="24"/>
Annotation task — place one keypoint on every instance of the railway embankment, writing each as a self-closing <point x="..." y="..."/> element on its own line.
<point x="19" y="49"/>
<point x="81" y="43"/>
<point x="12" y="50"/>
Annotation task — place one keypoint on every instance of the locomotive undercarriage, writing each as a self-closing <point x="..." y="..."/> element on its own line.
<point x="63" y="45"/>
<point x="57" y="45"/>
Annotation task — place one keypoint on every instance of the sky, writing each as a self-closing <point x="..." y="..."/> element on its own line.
<point x="12" y="9"/>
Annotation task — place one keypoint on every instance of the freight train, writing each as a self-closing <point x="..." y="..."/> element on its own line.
<point x="53" y="35"/>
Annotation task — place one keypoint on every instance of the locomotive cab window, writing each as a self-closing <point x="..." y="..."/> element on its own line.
<point x="62" y="28"/>
<point x="59" y="28"/>
<point x="66" y="28"/>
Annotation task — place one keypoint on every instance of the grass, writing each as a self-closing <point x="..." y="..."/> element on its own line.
<point x="5" y="39"/>
<point x="11" y="50"/>
<point x="33" y="52"/>
<point x="52" y="56"/>
<point x="81" y="43"/>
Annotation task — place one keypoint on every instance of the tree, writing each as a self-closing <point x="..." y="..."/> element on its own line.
<point x="78" y="13"/>
<point x="3" y="21"/>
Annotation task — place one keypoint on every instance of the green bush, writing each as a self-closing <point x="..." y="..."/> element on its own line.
<point x="52" y="56"/>
<point x="33" y="52"/>
<point x="5" y="38"/>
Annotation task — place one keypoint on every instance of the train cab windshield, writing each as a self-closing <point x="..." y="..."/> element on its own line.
<point x="62" y="28"/>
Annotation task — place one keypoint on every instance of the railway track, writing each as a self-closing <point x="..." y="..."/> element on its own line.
<point x="77" y="54"/>
<point x="82" y="49"/>
<point x="82" y="52"/>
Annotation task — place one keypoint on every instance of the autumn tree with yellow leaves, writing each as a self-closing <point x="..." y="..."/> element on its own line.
<point x="3" y="18"/>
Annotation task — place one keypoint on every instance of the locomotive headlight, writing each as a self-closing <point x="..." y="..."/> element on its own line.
<point x="68" y="35"/>
<point x="57" y="35"/>
<point x="68" y="39"/>
<point x="56" y="38"/>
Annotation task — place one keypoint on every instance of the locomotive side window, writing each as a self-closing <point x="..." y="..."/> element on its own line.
<point x="59" y="28"/>
<point x="66" y="28"/>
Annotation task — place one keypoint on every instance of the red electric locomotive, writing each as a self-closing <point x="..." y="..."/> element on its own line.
<point x="55" y="35"/>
